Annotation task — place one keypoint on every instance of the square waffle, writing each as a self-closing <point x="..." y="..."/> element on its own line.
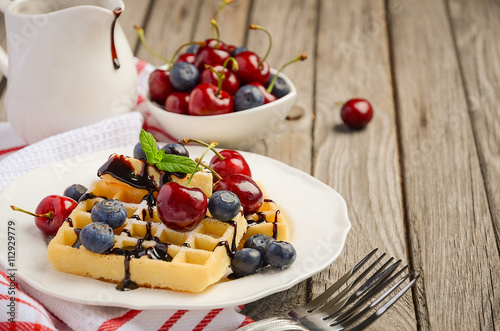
<point x="146" y="252"/>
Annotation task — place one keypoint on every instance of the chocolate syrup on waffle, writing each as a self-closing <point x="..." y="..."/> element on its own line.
<point x="120" y="168"/>
<point x="230" y="250"/>
<point x="166" y="177"/>
<point x="157" y="252"/>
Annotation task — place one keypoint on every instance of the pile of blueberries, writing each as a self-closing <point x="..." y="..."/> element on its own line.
<point x="260" y="251"/>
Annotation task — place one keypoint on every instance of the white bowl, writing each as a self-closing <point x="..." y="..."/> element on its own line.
<point x="235" y="130"/>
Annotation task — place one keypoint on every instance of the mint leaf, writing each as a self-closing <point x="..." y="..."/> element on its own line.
<point x="176" y="163"/>
<point x="165" y="162"/>
<point x="149" y="147"/>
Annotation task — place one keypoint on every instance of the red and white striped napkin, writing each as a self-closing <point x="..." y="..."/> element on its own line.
<point x="24" y="307"/>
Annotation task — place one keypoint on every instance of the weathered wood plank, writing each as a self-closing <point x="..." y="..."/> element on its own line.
<point x="134" y="14"/>
<point x="353" y="61"/>
<point x="291" y="23"/>
<point x="231" y="21"/>
<point x="476" y="29"/>
<point x="170" y="24"/>
<point x="450" y="227"/>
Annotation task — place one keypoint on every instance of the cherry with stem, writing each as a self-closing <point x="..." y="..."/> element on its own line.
<point x="301" y="57"/>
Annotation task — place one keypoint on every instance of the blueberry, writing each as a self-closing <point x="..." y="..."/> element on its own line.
<point x="246" y="261"/>
<point x="177" y="149"/>
<point x="258" y="242"/>
<point x="97" y="237"/>
<point x="238" y="50"/>
<point x="192" y="49"/>
<point x="280" y="88"/>
<point x="224" y="205"/>
<point x="109" y="211"/>
<point x="139" y="153"/>
<point x="248" y="96"/>
<point x="279" y="254"/>
<point x="184" y="76"/>
<point x="75" y="191"/>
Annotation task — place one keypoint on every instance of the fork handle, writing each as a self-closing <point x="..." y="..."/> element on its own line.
<point x="274" y="324"/>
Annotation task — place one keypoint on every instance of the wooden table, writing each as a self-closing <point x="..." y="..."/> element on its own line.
<point x="422" y="181"/>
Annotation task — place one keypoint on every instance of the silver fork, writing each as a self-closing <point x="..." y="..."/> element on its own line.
<point x="350" y="307"/>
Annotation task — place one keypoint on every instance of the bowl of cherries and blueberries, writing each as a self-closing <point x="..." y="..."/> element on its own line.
<point x="211" y="90"/>
<point x="234" y="191"/>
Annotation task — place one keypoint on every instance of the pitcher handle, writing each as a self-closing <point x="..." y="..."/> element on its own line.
<point x="4" y="60"/>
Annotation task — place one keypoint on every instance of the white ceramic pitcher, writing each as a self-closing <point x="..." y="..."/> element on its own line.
<point x="69" y="64"/>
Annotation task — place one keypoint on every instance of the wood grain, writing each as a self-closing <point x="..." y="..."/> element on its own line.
<point x="169" y="25"/>
<point x="135" y="13"/>
<point x="292" y="25"/>
<point x="476" y="28"/>
<point x="450" y="229"/>
<point x="232" y="21"/>
<point x="353" y="61"/>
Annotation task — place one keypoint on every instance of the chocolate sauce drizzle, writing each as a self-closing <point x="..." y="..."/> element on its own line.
<point x="114" y="56"/>
<point x="166" y="176"/>
<point x="121" y="168"/>
<point x="262" y="218"/>
<point x="229" y="250"/>
<point x="157" y="252"/>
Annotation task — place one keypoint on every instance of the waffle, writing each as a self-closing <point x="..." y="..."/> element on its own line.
<point x="146" y="252"/>
<point x="269" y="220"/>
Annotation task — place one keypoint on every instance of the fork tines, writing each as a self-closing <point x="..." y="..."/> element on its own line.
<point x="353" y="302"/>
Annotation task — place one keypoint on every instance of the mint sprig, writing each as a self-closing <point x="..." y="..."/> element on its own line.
<point x="163" y="161"/>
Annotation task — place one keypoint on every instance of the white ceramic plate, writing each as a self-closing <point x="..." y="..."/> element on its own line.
<point x="317" y="213"/>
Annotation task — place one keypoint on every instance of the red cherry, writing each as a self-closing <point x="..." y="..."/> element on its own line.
<point x="268" y="97"/>
<point x="230" y="83"/>
<point x="356" y="113"/>
<point x="51" y="213"/>
<point x="249" y="69"/>
<point x="159" y="86"/>
<point x="186" y="57"/>
<point x="218" y="44"/>
<point x="204" y="100"/>
<point x="245" y="188"/>
<point x="232" y="163"/>
<point x="177" y="102"/>
<point x="181" y="208"/>
<point x="210" y="56"/>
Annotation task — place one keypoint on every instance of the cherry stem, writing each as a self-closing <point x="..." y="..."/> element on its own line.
<point x="177" y="51"/>
<point x="212" y="145"/>
<point x="234" y="67"/>
<point x="221" y="75"/>
<point x="186" y="141"/>
<point x="301" y="57"/>
<point x="215" y="28"/>
<point x="49" y="215"/>
<point x="258" y="27"/>
<point x="221" y="6"/>
<point x="140" y="32"/>
<point x="170" y="62"/>
<point x="216" y="32"/>
<point x="204" y="165"/>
